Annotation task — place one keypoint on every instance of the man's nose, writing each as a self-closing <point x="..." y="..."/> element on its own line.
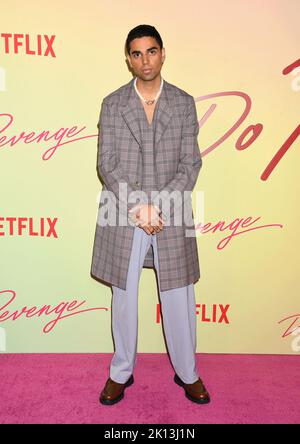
<point x="145" y="59"/>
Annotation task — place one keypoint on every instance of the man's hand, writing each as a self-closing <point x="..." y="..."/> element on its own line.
<point x="147" y="217"/>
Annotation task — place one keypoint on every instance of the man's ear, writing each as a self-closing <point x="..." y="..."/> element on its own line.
<point x="128" y="60"/>
<point x="163" y="52"/>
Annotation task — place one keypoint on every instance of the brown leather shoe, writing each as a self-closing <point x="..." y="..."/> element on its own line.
<point x="113" y="391"/>
<point x="196" y="392"/>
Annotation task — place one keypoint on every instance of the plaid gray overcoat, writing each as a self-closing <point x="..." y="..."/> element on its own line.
<point x="177" y="162"/>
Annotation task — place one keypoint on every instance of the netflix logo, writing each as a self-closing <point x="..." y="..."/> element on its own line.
<point x="37" y="45"/>
<point x="216" y="313"/>
<point x="28" y="226"/>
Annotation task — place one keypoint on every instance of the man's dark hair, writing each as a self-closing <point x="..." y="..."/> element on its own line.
<point x="143" y="31"/>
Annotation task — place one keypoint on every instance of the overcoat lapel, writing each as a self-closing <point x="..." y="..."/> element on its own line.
<point x="129" y="111"/>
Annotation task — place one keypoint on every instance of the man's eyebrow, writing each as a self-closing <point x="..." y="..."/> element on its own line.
<point x="149" y="49"/>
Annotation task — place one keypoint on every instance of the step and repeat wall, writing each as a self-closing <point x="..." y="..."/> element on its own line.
<point x="240" y="61"/>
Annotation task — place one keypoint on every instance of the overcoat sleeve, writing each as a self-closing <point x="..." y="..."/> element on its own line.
<point x="189" y="164"/>
<point x="108" y="164"/>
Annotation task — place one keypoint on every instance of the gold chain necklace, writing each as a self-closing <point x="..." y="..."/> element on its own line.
<point x="148" y="102"/>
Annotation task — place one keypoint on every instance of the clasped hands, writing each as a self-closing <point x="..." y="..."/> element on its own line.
<point x="147" y="217"/>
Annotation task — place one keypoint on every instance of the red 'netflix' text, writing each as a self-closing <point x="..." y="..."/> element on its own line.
<point x="36" y="45"/>
<point x="18" y="226"/>
<point x="217" y="313"/>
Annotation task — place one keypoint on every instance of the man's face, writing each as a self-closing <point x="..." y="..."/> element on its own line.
<point x="146" y="57"/>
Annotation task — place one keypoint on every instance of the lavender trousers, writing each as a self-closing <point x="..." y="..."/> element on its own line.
<point x="178" y="309"/>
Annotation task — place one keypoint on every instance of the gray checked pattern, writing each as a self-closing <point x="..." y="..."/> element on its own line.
<point x="163" y="156"/>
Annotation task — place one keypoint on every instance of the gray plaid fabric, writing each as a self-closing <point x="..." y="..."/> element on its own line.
<point x="124" y="156"/>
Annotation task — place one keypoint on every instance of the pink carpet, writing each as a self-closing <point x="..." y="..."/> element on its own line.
<point x="64" y="388"/>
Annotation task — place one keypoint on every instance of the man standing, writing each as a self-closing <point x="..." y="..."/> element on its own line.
<point x="149" y="161"/>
